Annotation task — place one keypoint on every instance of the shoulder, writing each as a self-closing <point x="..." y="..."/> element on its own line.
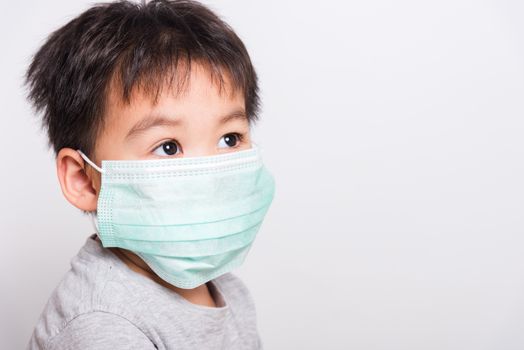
<point x="99" y="330"/>
<point x="94" y="289"/>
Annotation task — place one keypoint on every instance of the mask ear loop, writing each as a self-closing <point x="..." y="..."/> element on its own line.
<point x="93" y="214"/>
<point x="89" y="161"/>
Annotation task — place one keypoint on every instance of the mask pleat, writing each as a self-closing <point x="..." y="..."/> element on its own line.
<point x="189" y="232"/>
<point x="193" y="248"/>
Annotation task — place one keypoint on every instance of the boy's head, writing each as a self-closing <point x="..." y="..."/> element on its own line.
<point x="138" y="81"/>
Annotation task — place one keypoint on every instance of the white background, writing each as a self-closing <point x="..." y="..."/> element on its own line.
<point x="394" y="130"/>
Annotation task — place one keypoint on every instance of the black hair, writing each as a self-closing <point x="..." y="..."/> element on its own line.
<point x="139" y="45"/>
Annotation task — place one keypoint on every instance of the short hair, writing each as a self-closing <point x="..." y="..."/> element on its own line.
<point x="139" y="45"/>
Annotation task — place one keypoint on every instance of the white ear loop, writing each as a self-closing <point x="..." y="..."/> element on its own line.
<point x="89" y="161"/>
<point x="92" y="214"/>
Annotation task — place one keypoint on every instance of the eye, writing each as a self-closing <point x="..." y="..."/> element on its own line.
<point x="168" y="148"/>
<point x="230" y="140"/>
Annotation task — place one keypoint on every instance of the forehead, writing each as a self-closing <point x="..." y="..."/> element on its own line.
<point x="190" y="92"/>
<point x="178" y="81"/>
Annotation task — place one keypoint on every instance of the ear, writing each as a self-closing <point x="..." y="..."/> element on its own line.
<point x="79" y="182"/>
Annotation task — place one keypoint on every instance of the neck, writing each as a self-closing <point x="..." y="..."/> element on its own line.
<point x="200" y="295"/>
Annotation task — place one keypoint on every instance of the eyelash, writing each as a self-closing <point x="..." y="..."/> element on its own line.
<point x="239" y="136"/>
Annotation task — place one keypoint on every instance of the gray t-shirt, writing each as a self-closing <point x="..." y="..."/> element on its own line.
<point x="102" y="304"/>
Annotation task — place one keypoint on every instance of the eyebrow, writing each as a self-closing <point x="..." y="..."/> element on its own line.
<point x="153" y="120"/>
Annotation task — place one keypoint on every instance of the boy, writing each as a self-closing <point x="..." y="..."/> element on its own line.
<point x="148" y="108"/>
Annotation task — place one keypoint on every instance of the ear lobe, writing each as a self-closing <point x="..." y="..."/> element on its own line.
<point x="77" y="182"/>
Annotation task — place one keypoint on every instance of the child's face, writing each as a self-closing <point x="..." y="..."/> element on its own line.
<point x="200" y="121"/>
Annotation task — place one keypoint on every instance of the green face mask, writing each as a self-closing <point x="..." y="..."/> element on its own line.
<point x="190" y="219"/>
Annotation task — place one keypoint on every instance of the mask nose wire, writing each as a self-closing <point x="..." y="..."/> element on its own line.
<point x="89" y="161"/>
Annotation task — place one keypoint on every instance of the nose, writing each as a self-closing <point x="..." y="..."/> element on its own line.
<point x="200" y="151"/>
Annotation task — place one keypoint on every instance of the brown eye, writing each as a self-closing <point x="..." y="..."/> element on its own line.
<point x="167" y="148"/>
<point x="230" y="140"/>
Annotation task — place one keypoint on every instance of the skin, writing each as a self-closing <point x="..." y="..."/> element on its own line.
<point x="199" y="132"/>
